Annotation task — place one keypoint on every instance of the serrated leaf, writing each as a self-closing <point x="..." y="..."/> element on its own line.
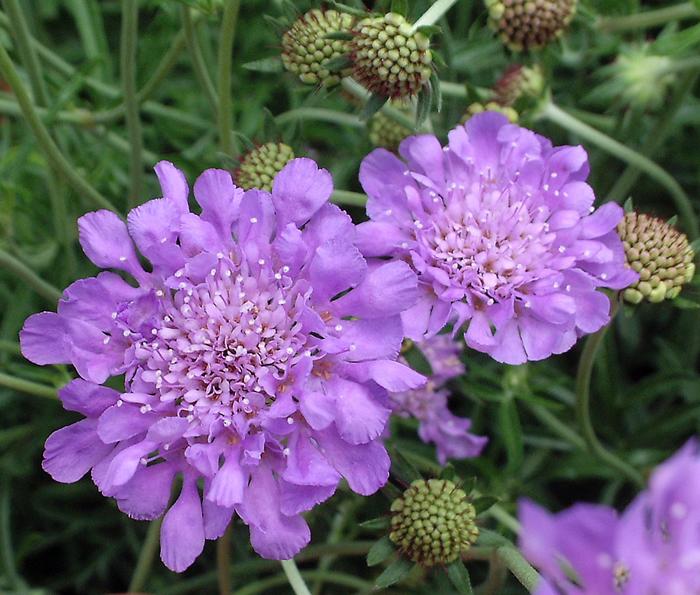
<point x="629" y="205"/>
<point x="401" y="469"/>
<point x="380" y="551"/>
<point x="393" y="573"/>
<point x="400" y="7"/>
<point x="271" y="64"/>
<point x="338" y="64"/>
<point x="429" y="30"/>
<point x="382" y="522"/>
<point x="339" y="35"/>
<point x="459" y="576"/>
<point x="437" y="93"/>
<point x="425" y="101"/>
<point x="483" y="503"/>
<point x="373" y="105"/>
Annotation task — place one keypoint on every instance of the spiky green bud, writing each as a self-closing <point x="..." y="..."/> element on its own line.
<point x="433" y="522"/>
<point x="387" y="133"/>
<point x="259" y="167"/>
<point x="659" y="253"/>
<point x="491" y="106"/>
<point x="389" y="58"/>
<point x="306" y="50"/>
<point x="529" y="24"/>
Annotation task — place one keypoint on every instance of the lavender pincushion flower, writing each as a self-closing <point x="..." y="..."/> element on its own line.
<point x="652" y="548"/>
<point x="257" y="351"/>
<point x="428" y="404"/>
<point x="500" y="227"/>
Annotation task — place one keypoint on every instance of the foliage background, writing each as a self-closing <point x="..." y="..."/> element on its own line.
<point x="646" y="388"/>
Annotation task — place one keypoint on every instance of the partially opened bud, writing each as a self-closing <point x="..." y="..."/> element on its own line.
<point x="529" y="24"/>
<point x="659" y="253"/>
<point x="260" y="166"/>
<point x="306" y="48"/>
<point x="389" y="58"/>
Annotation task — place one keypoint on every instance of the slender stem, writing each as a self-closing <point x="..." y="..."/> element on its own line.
<point x="334" y="535"/>
<point x="20" y="31"/>
<point x="506" y="519"/>
<point x="583" y="402"/>
<point x="130" y="25"/>
<point x="83" y="21"/>
<point x="337" y="578"/>
<point x="519" y="567"/>
<point x="146" y="557"/>
<point x="345" y="197"/>
<point x="683" y="204"/>
<point x="28" y="276"/>
<point x="649" y="18"/>
<point x="7" y="555"/>
<point x="496" y="577"/>
<point x="46" y="143"/>
<point x="198" y="64"/>
<point x="223" y="561"/>
<point x="27" y="386"/>
<point x="434" y="13"/>
<point x="320" y="114"/>
<point x="555" y="424"/>
<point x="225" y="115"/>
<point x="295" y="579"/>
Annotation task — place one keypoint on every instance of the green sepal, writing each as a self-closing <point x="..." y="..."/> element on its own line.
<point x="483" y="503"/>
<point x="338" y="64"/>
<point x="372" y="106"/>
<point x="429" y="30"/>
<point x="673" y="220"/>
<point x="695" y="245"/>
<point x="357" y="12"/>
<point x="378" y="523"/>
<point x="437" y="93"/>
<point x="629" y="205"/>
<point x="246" y="141"/>
<point x="339" y="36"/>
<point x="272" y="64"/>
<point x="469" y="484"/>
<point x="425" y="101"/>
<point x="280" y="25"/>
<point x="401" y="469"/>
<point x="459" y="577"/>
<point x="290" y="10"/>
<point x="380" y="551"/>
<point x="393" y="573"/>
<point x="438" y="58"/>
<point x="400" y="7"/>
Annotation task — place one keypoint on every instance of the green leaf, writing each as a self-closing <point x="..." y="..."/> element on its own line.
<point x="417" y="360"/>
<point x="438" y="58"/>
<point x="338" y="64"/>
<point x="391" y="491"/>
<point x="380" y="551"/>
<point x="381" y="522"/>
<point x="400" y="7"/>
<point x="448" y="472"/>
<point x="393" y="573"/>
<point x="271" y="64"/>
<point x="629" y="205"/>
<point x="469" y="484"/>
<point x="685" y="304"/>
<point x="339" y="35"/>
<point x="425" y="101"/>
<point x="358" y="12"/>
<point x="278" y="24"/>
<point x="695" y="245"/>
<point x="429" y="30"/>
<point x="673" y="220"/>
<point x="511" y="432"/>
<point x="401" y="469"/>
<point x="459" y="576"/>
<point x="483" y="503"/>
<point x="290" y="10"/>
<point x="271" y="130"/>
<point x="373" y="105"/>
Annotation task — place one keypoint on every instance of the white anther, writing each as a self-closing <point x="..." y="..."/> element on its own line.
<point x="122" y="259"/>
<point x="159" y="293"/>
<point x="253" y="219"/>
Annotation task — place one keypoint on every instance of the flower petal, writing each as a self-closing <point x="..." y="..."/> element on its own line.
<point x="145" y="497"/>
<point x="299" y="190"/>
<point x="72" y="451"/>
<point x="335" y="267"/>
<point x="43" y="339"/>
<point x="173" y="185"/>
<point x="87" y="398"/>
<point x="182" y="533"/>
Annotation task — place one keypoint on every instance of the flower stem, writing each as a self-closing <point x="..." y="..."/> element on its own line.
<point x="146" y="557"/>
<point x="27" y="386"/>
<point x="649" y="18"/>
<point x="130" y="22"/>
<point x="28" y="276"/>
<point x="345" y="197"/>
<point x="198" y="64"/>
<point x="225" y="115"/>
<point x="46" y="143"/>
<point x="320" y="114"/>
<point x="683" y="204"/>
<point x="519" y="567"/>
<point x="295" y="579"/>
<point x="434" y="13"/>
<point x="583" y="406"/>
<point x="223" y="561"/>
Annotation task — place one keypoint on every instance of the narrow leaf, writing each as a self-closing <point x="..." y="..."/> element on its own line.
<point x="339" y="35"/>
<point x="358" y="12"/>
<point x="483" y="503"/>
<point x="382" y="522"/>
<point x="429" y="30"/>
<point x="401" y="469"/>
<point x="393" y="573"/>
<point x="437" y="93"/>
<point x="425" y="100"/>
<point x="373" y="105"/>
<point x="673" y="220"/>
<point x="448" y="472"/>
<point x="400" y="7"/>
<point x="459" y="576"/>
<point x="380" y="551"/>
<point x="685" y="304"/>
<point x="271" y="64"/>
<point x="271" y="130"/>
<point x="338" y="64"/>
<point x="511" y="432"/>
<point x="629" y="205"/>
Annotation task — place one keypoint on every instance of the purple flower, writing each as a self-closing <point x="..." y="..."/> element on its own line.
<point x="500" y="227"/>
<point x="652" y="548"/>
<point x="428" y="404"/>
<point x="257" y="350"/>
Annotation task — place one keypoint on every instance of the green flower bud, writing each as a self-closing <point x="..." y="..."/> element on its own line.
<point x="387" y="133"/>
<point x="260" y="166"/>
<point x="305" y="49"/>
<point x="433" y="522"/>
<point x="389" y="58"/>
<point x="529" y="24"/>
<point x="519" y="85"/>
<point x="491" y="106"/>
<point x="659" y="253"/>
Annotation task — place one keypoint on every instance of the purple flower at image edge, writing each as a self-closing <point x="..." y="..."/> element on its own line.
<point x="257" y="351"/>
<point x="428" y="404"/>
<point x="652" y="548"/>
<point x="500" y="227"/>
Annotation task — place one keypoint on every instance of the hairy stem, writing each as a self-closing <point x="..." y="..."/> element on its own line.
<point x="519" y="567"/>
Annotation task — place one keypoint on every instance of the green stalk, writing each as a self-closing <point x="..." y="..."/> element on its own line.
<point x="683" y="204"/>
<point x="319" y="114"/>
<point x="294" y="577"/>
<point x="44" y="140"/>
<point x="223" y="561"/>
<point x="519" y="567"/>
<point x="129" y="37"/>
<point x="649" y="18"/>
<point x="555" y="425"/>
<point x="198" y="64"/>
<point x="337" y="578"/>
<point x="225" y="115"/>
<point x="434" y="13"/>
<point x="91" y="45"/>
<point x="28" y="276"/>
<point x="345" y="197"/>
<point x="146" y="557"/>
<point x="583" y="406"/>
<point x="27" y="386"/>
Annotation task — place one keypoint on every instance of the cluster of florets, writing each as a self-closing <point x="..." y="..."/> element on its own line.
<point x="306" y="47"/>
<point x="386" y="132"/>
<point x="659" y="253"/>
<point x="257" y="351"/>
<point x="259" y="166"/>
<point x="433" y="522"/>
<point x="519" y="83"/>
<point x="390" y="58"/>
<point x="490" y="106"/>
<point x="652" y="547"/>
<point x="529" y="24"/>
<point x="500" y="227"/>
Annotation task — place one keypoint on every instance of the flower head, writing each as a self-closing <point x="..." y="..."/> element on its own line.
<point x="490" y="106"/>
<point x="385" y="132"/>
<point x="259" y="166"/>
<point x="501" y="229"/>
<point x="428" y="404"/>
<point x="256" y="350"/>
